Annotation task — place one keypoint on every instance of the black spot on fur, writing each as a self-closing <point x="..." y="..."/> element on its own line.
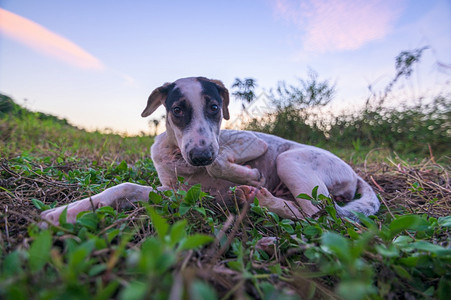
<point x="283" y="147"/>
<point x="211" y="95"/>
<point x="175" y="99"/>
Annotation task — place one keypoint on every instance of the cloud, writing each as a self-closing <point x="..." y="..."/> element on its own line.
<point x="332" y="25"/>
<point x="128" y="80"/>
<point x="43" y="40"/>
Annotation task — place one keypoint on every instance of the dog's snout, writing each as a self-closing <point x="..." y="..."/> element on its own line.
<point x="201" y="156"/>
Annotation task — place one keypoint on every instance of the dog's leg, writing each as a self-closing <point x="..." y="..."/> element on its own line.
<point x="303" y="169"/>
<point x="243" y="146"/>
<point x="120" y="196"/>
<point x="224" y="167"/>
<point x="283" y="208"/>
<point x="237" y="148"/>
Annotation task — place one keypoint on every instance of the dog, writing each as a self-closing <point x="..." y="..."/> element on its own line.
<point x="270" y="168"/>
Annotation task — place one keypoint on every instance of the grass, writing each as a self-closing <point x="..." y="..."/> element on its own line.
<point x="183" y="245"/>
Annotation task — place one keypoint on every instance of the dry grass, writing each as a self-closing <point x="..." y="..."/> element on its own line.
<point x="421" y="188"/>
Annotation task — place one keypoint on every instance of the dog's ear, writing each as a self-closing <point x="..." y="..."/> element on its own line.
<point x="224" y="93"/>
<point x="156" y="98"/>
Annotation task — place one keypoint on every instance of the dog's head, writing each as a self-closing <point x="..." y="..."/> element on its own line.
<point x="195" y="107"/>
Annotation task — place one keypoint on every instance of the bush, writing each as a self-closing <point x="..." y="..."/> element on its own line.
<point x="408" y="129"/>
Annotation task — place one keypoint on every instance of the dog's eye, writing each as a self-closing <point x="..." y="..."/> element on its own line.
<point x="177" y="111"/>
<point x="214" y="108"/>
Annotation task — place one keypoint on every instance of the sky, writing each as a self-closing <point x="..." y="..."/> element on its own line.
<point x="96" y="62"/>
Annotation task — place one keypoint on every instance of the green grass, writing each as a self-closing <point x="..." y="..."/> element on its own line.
<point x="181" y="244"/>
<point x="42" y="134"/>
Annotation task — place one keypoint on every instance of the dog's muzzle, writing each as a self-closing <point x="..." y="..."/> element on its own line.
<point x="201" y="156"/>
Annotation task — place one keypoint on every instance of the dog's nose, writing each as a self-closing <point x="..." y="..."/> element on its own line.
<point x="201" y="156"/>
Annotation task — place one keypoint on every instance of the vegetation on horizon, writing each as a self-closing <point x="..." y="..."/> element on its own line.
<point x="300" y="113"/>
<point x="22" y="130"/>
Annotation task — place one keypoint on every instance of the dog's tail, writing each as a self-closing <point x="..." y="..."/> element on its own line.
<point x="367" y="204"/>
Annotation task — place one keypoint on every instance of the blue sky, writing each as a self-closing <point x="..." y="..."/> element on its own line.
<point x="96" y="62"/>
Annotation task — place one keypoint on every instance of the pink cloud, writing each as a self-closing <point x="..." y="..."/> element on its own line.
<point x="43" y="40"/>
<point x="331" y="25"/>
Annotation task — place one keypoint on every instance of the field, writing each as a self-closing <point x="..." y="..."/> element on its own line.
<point x="181" y="245"/>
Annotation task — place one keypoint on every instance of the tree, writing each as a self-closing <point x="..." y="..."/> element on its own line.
<point x="244" y="90"/>
<point x="307" y="94"/>
<point x="293" y="117"/>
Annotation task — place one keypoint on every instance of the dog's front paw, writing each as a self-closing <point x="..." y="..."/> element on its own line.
<point x="52" y="216"/>
<point x="163" y="188"/>
<point x="255" y="178"/>
<point x="245" y="194"/>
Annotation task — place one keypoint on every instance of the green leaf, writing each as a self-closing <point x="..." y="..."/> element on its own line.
<point x="310" y="198"/>
<point x="16" y="292"/>
<point x="444" y="221"/>
<point x="312" y="230"/>
<point x="12" y="264"/>
<point x="193" y="194"/>
<point x="332" y="212"/>
<point x="444" y="288"/>
<point x="87" y="180"/>
<point x="436" y="249"/>
<point x="201" y="210"/>
<point x="184" y="208"/>
<point x="361" y="244"/>
<point x="177" y="232"/>
<point x="274" y="216"/>
<point x="63" y="217"/>
<point x="108" y="210"/>
<point x="352" y="233"/>
<point x="304" y="196"/>
<point x="77" y="256"/>
<point x="355" y="289"/>
<point x="122" y="167"/>
<point x="365" y="220"/>
<point x="402" y="241"/>
<point x="315" y="192"/>
<point x="97" y="269"/>
<point x="107" y="292"/>
<point x="235" y="265"/>
<point x="195" y="241"/>
<point x="287" y="225"/>
<point x="159" y="223"/>
<point x="155" y="198"/>
<point x="402" y="272"/>
<point x="256" y="208"/>
<point x="40" y="251"/>
<point x="408" y="222"/>
<point x="134" y="291"/>
<point x="202" y="291"/>
<point x="88" y="220"/>
<point x="39" y="204"/>
<point x="430" y="291"/>
<point x="410" y="261"/>
<point x="337" y="244"/>
<point x="391" y="251"/>
<point x="112" y="234"/>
